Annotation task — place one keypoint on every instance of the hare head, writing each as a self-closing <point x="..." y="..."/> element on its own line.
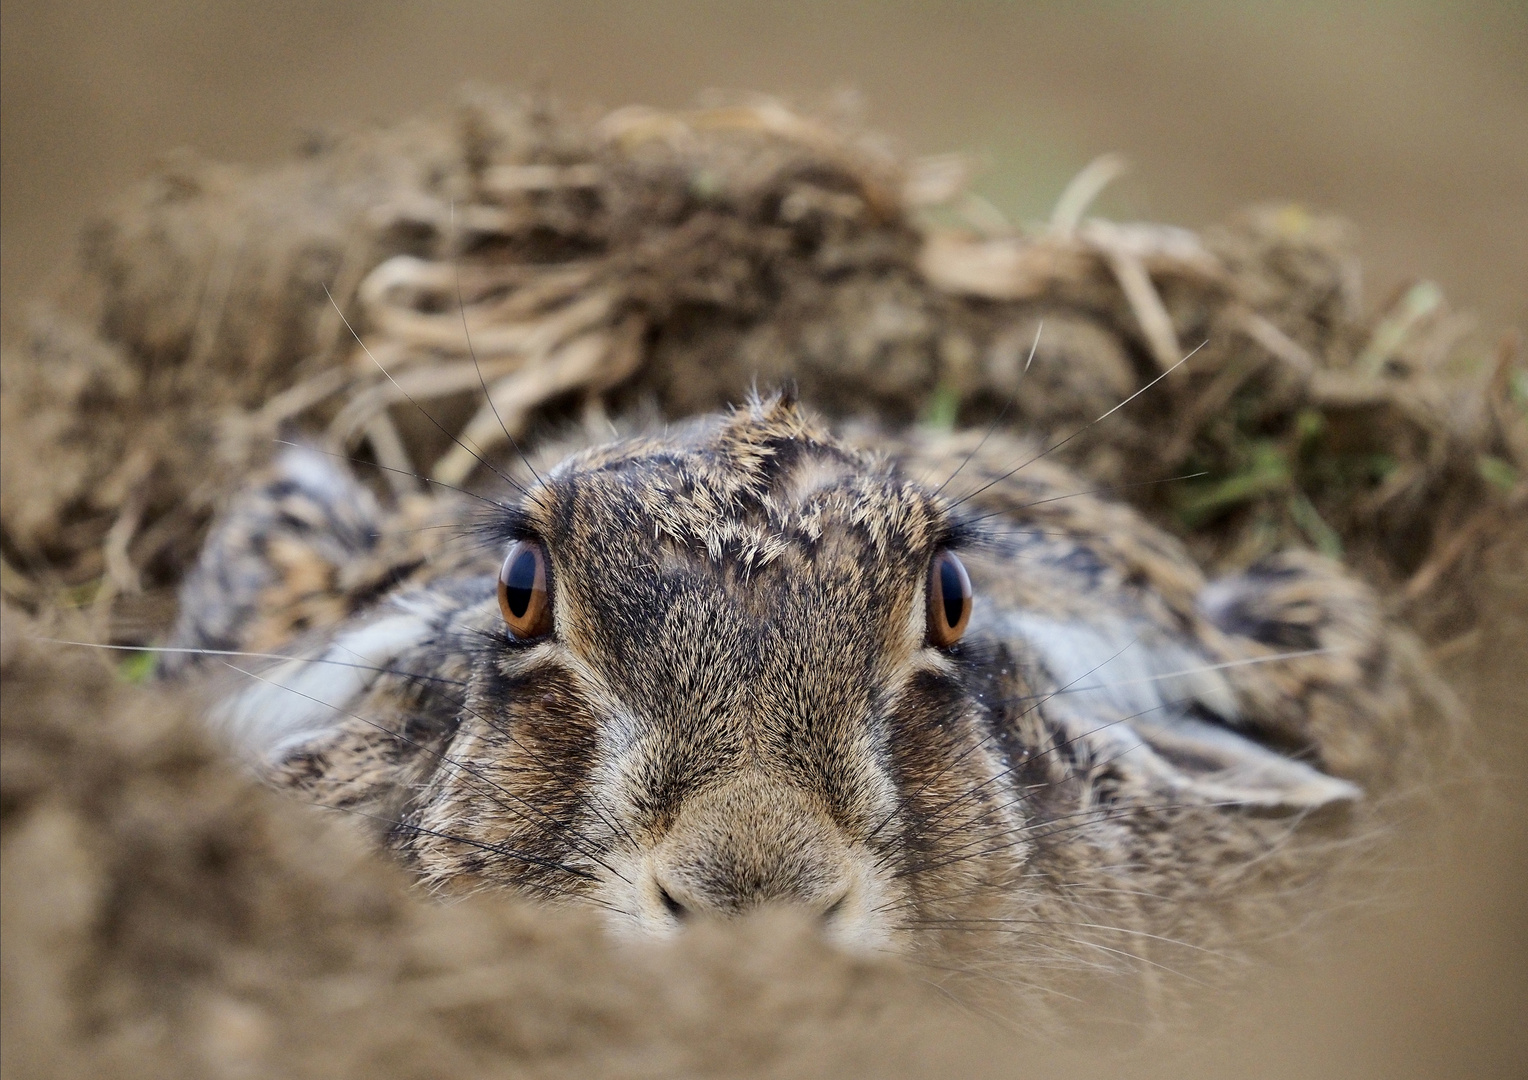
<point x="730" y="672"/>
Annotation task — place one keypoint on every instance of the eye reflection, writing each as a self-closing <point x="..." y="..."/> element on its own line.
<point x="949" y="599"/>
<point x="524" y="598"/>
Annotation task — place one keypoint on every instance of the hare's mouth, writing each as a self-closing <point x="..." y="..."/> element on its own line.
<point x="851" y="917"/>
<point x="746" y="846"/>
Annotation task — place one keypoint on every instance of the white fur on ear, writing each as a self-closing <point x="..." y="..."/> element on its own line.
<point x="296" y="699"/>
<point x="1129" y="694"/>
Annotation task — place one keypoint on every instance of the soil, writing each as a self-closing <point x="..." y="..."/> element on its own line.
<point x="163" y="916"/>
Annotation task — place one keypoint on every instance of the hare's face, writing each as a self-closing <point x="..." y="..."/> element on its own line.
<point x="732" y="694"/>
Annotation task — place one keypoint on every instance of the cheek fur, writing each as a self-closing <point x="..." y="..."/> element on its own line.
<point x="508" y="803"/>
<point x="960" y="807"/>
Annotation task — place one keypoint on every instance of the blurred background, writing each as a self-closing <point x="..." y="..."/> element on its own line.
<point x="1409" y="118"/>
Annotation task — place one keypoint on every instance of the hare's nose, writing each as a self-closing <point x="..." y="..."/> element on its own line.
<point x="679" y="900"/>
<point x="742" y="845"/>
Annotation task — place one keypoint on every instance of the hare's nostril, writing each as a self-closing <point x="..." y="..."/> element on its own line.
<point x="672" y="906"/>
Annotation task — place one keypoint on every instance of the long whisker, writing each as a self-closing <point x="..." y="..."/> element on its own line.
<point x="1002" y="413"/>
<point x="1008" y="839"/>
<point x="1000" y="925"/>
<point x="906" y="800"/>
<point x="1041" y="830"/>
<point x="944" y="810"/>
<point x="483" y="845"/>
<point x="1094" y="491"/>
<point x="461" y="307"/>
<point x="1084" y="943"/>
<point x="1139" y="959"/>
<point x="422" y="410"/>
<point x="401" y="472"/>
<point x="1027" y="793"/>
<point x="612" y="822"/>
<point x="1246" y="662"/>
<point x="249" y="655"/>
<point x="1057" y="446"/>
<point x="1091" y="888"/>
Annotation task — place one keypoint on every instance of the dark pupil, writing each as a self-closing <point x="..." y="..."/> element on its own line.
<point x="519" y="581"/>
<point x="954" y="595"/>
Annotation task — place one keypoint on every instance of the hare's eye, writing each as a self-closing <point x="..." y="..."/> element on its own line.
<point x="949" y="600"/>
<point x="524" y="597"/>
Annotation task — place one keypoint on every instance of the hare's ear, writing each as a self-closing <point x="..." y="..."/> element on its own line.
<point x="1150" y="707"/>
<point x="357" y="722"/>
<point x="1212" y="762"/>
<point x="278" y="708"/>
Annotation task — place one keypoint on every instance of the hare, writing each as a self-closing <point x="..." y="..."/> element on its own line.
<point x="921" y="687"/>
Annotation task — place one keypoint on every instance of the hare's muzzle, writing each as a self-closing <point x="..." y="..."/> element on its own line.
<point x="755" y="841"/>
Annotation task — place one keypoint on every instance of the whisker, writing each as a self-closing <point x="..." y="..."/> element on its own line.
<point x="423" y="412"/>
<point x="461" y="533"/>
<point x="1045" y="829"/>
<point x="1072" y="822"/>
<point x="402" y="472"/>
<point x="942" y="811"/>
<point x="444" y="759"/>
<point x="249" y="655"/>
<point x="612" y="822"/>
<point x="599" y="808"/>
<point x="904" y="903"/>
<point x="461" y="307"/>
<point x="906" y="800"/>
<point x="1094" y="491"/>
<point x="1000" y="925"/>
<point x="484" y="845"/>
<point x="1057" y="446"/>
<point x="966" y="1004"/>
<point x="1246" y="662"/>
<point x="596" y="806"/>
<point x="1139" y="959"/>
<point x="1002" y="413"/>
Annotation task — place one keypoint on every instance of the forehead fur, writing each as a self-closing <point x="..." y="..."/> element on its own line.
<point x="744" y="489"/>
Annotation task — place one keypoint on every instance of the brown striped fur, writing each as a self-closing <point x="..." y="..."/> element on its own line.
<point x="738" y="705"/>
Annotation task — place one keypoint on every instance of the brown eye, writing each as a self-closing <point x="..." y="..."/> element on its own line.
<point x="949" y="600"/>
<point x="524" y="597"/>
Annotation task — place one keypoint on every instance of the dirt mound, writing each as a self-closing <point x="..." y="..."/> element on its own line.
<point x="677" y="259"/>
<point x="162" y="917"/>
